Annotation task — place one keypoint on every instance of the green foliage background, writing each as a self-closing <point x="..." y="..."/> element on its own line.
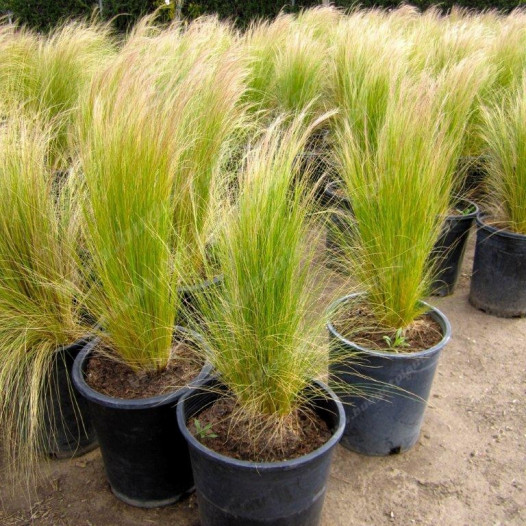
<point x="246" y="10"/>
<point x="43" y="14"/>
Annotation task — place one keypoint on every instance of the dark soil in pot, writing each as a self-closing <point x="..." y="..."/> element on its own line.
<point x="384" y="392"/>
<point x="241" y="439"/>
<point x="118" y="380"/>
<point x="448" y="253"/>
<point x="238" y="492"/>
<point x="145" y="456"/>
<point x="361" y="327"/>
<point x="69" y="430"/>
<point x="498" y="282"/>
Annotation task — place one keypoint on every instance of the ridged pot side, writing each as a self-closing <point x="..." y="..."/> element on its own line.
<point x="233" y="492"/>
<point x="387" y="418"/>
<point x="145" y="455"/>
<point x="498" y="282"/>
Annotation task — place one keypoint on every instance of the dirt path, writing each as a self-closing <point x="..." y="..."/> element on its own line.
<point x="468" y="468"/>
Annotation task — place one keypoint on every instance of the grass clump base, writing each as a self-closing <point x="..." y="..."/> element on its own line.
<point x="231" y="432"/>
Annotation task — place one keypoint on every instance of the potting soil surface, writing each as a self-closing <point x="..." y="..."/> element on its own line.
<point x="299" y="434"/>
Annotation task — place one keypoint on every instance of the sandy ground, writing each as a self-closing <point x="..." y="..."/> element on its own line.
<point x="468" y="468"/>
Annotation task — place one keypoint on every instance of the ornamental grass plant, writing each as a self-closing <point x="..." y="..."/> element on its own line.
<point x="214" y="122"/>
<point x="368" y="62"/>
<point x="48" y="74"/>
<point x="172" y="51"/>
<point x="160" y="121"/>
<point x="504" y="133"/>
<point x="39" y="285"/>
<point x="400" y="193"/>
<point x="263" y="338"/>
<point x="321" y="21"/>
<point x="461" y="89"/>
<point x="16" y="46"/>
<point x="127" y="161"/>
<point x="260" y="42"/>
<point x="507" y="52"/>
<point x="150" y="156"/>
<point x="439" y="41"/>
<point x="300" y="73"/>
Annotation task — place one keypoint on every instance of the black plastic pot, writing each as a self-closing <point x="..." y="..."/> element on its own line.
<point x="191" y="296"/>
<point x="450" y="248"/>
<point x="145" y="456"/>
<point x="474" y="172"/>
<point x="234" y="492"/>
<point x="396" y="385"/>
<point x="315" y="162"/>
<point x="69" y="431"/>
<point x="335" y="198"/>
<point x="498" y="283"/>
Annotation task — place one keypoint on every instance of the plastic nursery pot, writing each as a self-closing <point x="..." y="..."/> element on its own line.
<point x="314" y="161"/>
<point x="450" y="248"/>
<point x="474" y="168"/>
<point x="389" y="421"/>
<point x="145" y="456"/>
<point x="234" y="492"/>
<point x="498" y="283"/>
<point x="335" y="197"/>
<point x="69" y="431"/>
<point x="190" y="297"/>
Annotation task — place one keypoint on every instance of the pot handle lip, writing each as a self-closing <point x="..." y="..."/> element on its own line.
<point x="94" y="396"/>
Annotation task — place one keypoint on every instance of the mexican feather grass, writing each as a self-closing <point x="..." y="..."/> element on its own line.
<point x="40" y="283"/>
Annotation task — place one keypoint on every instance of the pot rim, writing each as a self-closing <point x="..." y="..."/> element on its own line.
<point x="131" y="403"/>
<point x="330" y="192"/>
<point x="79" y="342"/>
<point x="467" y="217"/>
<point x="481" y="216"/>
<point x="188" y="289"/>
<point x="280" y="465"/>
<point x="436" y="314"/>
